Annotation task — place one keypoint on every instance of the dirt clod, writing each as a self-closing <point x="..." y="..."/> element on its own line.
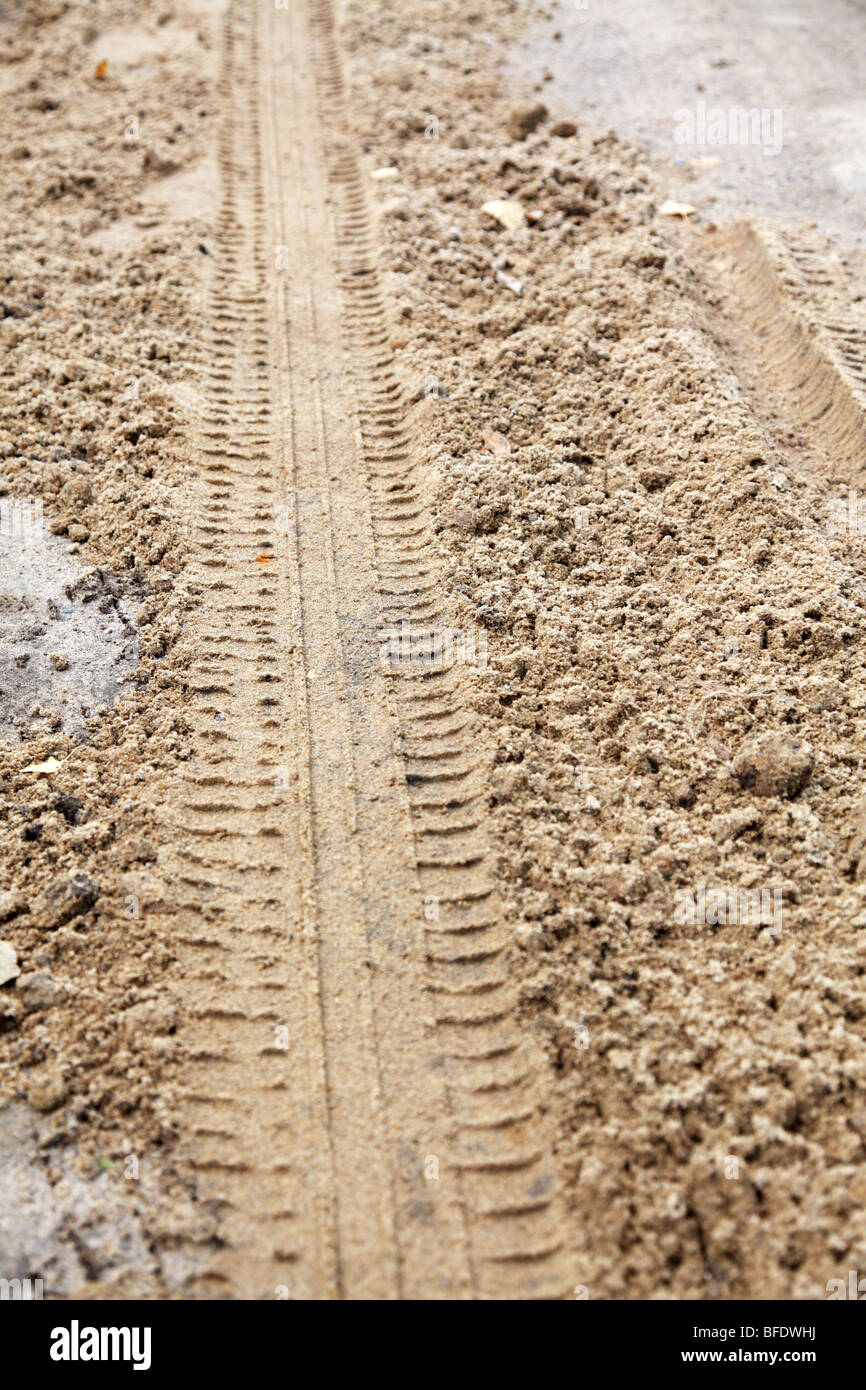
<point x="137" y="852"/>
<point x="773" y="765"/>
<point x="47" y="1094"/>
<point x="12" y="905"/>
<point x="67" y="898"/>
<point x="38" y="991"/>
<point x="523" y="120"/>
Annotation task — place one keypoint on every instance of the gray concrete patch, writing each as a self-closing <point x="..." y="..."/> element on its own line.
<point x="57" y="1227"/>
<point x="66" y="638"/>
<point x="637" y="65"/>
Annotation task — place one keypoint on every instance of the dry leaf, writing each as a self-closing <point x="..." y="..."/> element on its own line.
<point x="102" y="69"/>
<point x="50" y="765"/>
<point x="496" y="443"/>
<point x="672" y="209"/>
<point x="263" y="559"/>
<point x="508" y="213"/>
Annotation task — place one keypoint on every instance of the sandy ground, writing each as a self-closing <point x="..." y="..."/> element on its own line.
<point x="634" y="444"/>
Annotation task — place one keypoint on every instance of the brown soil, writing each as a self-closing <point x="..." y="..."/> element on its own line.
<point x="604" y="440"/>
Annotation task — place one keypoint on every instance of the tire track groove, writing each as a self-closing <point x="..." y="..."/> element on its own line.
<point x="811" y="335"/>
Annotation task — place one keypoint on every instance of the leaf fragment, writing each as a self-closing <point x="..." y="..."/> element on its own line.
<point x="496" y="443"/>
<point x="673" y="209"/>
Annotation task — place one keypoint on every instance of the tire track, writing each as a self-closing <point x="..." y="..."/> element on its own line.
<point x="505" y="1166"/>
<point x="810" y="335"/>
<point x="355" y="1101"/>
<point x="252" y="1057"/>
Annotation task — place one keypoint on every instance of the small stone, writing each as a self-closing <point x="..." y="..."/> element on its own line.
<point x="59" y="660"/>
<point x="507" y="212"/>
<point x="46" y="1095"/>
<point x="564" y="129"/>
<point x="12" y="905"/>
<point x="592" y="805"/>
<point x="773" y="765"/>
<point x="67" y="898"/>
<point x="151" y="1016"/>
<point x="137" y="852"/>
<point x="77" y="532"/>
<point x="39" y="991"/>
<point x="523" y="120"/>
<point x="9" y="967"/>
<point x="510" y="282"/>
<point x="386" y="175"/>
